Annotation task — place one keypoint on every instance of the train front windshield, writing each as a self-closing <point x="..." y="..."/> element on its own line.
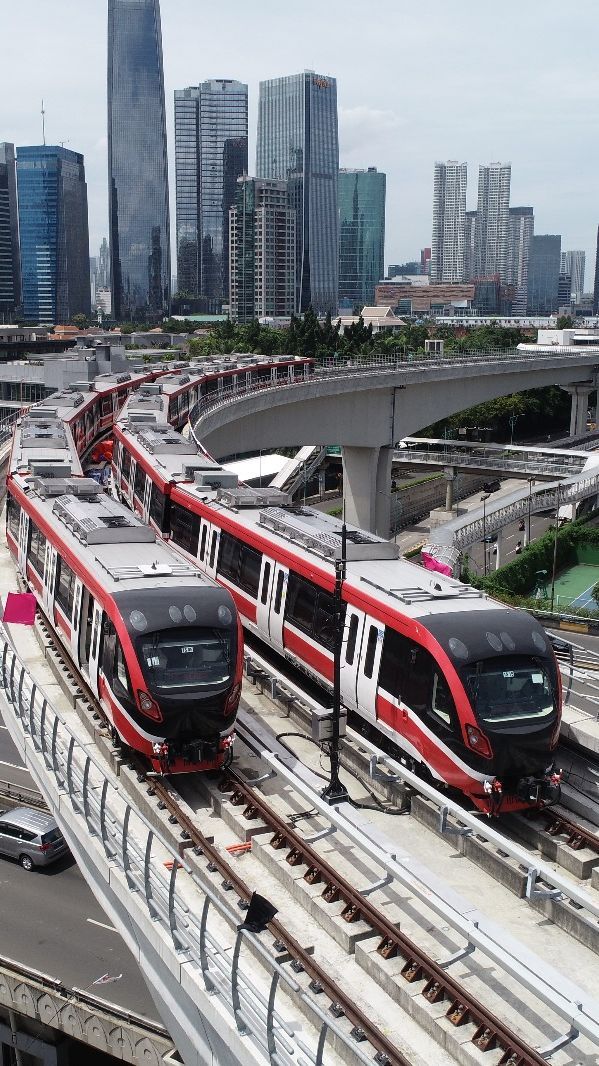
<point x="508" y="690"/>
<point x="177" y="659"/>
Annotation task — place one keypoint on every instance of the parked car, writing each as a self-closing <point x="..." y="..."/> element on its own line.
<point x="31" y="837"/>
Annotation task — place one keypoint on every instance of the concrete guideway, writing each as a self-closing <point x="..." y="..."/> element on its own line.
<point x="366" y="408"/>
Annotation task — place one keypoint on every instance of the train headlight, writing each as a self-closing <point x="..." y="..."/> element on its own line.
<point x="148" y="706"/>
<point x="478" y="742"/>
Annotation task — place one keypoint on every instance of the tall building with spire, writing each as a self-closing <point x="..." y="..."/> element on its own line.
<point x="137" y="162"/>
<point x="493" y="221"/>
<point x="298" y="142"/>
<point x="449" y="222"/>
<point x="211" y="153"/>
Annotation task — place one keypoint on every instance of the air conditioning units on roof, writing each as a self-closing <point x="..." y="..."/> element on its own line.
<point x="216" y="479"/>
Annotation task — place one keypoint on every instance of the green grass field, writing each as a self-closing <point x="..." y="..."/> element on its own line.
<point x="575" y="585"/>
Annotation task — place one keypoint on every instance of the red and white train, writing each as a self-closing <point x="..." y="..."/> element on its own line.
<point x="466" y="687"/>
<point x="159" y="644"/>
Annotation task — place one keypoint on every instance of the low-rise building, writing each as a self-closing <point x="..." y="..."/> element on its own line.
<point x="425" y="299"/>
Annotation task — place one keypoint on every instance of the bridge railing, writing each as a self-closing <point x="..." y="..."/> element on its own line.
<point x="199" y="928"/>
<point x="547" y="465"/>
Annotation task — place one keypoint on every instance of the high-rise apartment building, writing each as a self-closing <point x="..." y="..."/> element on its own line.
<point x="543" y="274"/>
<point x="425" y="261"/>
<point x="470" y="246"/>
<point x="298" y="143"/>
<point x="521" y="230"/>
<point x="573" y="263"/>
<point x="361" y="235"/>
<point x="596" y="282"/>
<point x="137" y="162"/>
<point x="492" y="221"/>
<point x="10" y="259"/>
<point x="54" y="236"/>
<point x="261" y="251"/>
<point x="449" y="221"/>
<point x="564" y="289"/>
<point x="211" y="152"/>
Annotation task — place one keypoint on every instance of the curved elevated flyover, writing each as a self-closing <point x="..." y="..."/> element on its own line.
<point x="367" y="408"/>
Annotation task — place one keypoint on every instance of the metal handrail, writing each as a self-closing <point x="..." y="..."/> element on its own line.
<point x="142" y="854"/>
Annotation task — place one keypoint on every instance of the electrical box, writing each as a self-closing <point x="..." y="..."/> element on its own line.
<point x="322" y="723"/>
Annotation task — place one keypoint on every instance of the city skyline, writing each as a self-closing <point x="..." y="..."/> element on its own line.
<point x="379" y="125"/>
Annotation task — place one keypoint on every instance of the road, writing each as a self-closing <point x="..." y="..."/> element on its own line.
<point x="50" y="921"/>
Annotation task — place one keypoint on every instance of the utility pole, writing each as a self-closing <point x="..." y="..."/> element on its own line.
<point x="555" y="546"/>
<point x="335" y="791"/>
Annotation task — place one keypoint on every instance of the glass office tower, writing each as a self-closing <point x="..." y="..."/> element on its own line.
<point x="361" y="235"/>
<point x="137" y="162"/>
<point x="54" y="234"/>
<point x="10" y="259"/>
<point x="298" y="143"/>
<point x="211" y="152"/>
<point x="543" y="273"/>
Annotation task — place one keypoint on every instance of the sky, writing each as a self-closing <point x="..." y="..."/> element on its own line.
<point x="515" y="82"/>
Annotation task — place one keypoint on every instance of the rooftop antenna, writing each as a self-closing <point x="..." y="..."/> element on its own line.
<point x="43" y="124"/>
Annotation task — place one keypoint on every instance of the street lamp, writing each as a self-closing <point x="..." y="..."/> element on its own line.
<point x="335" y="791"/>
<point x="484" y="503"/>
<point x="512" y="421"/>
<point x="555" y="544"/>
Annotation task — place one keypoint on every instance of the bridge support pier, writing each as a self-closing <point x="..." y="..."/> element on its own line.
<point x="367" y="488"/>
<point x="580" y="405"/>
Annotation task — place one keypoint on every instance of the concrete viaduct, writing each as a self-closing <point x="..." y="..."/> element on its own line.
<point x="367" y="409"/>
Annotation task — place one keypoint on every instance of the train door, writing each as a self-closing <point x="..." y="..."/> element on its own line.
<point x="129" y="492"/>
<point x="350" y="654"/>
<point x="369" y="664"/>
<point x="147" y="495"/>
<point x="291" y="372"/>
<point x="86" y="619"/>
<point x="210" y="548"/>
<point x="76" y="619"/>
<point x="49" y="578"/>
<point x="248" y="379"/>
<point x="23" y="541"/>
<point x="278" y="597"/>
<point x="264" y="595"/>
<point x="95" y="646"/>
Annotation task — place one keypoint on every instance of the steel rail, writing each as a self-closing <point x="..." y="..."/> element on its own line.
<point x="490" y="1032"/>
<point x="558" y="824"/>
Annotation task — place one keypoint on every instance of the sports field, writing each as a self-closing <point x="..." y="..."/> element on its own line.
<point x="574" y="587"/>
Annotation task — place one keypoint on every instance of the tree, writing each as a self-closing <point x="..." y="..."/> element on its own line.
<point x="595" y="593"/>
<point x="564" y="322"/>
<point x="80" y="320"/>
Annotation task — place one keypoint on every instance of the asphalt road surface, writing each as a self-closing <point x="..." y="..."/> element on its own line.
<point x="50" y="921"/>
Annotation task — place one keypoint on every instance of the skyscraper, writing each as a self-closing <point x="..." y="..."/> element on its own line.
<point x="470" y="246"/>
<point x="361" y="235"/>
<point x="211" y="152"/>
<point x="492" y="221"/>
<point x="298" y="143"/>
<point x="543" y="273"/>
<point x="137" y="162"/>
<point x="596" y="282"/>
<point x="54" y="233"/>
<point x="262" y="251"/>
<point x="521" y="230"/>
<point x="449" y="219"/>
<point x="103" y="272"/>
<point x="573" y="263"/>
<point x="10" y="260"/>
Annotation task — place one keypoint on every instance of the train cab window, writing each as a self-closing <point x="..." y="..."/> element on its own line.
<point x="157" y="506"/>
<point x="185" y="528"/>
<point x="352" y="633"/>
<point x="65" y="590"/>
<point x="140" y="482"/>
<point x="121" y="674"/>
<point x="279" y="591"/>
<point x="370" y="651"/>
<point x="203" y="542"/>
<point x="442" y="703"/>
<point x="213" y="548"/>
<point x="265" y="583"/>
<point x="13" y="516"/>
<point x="126" y="466"/>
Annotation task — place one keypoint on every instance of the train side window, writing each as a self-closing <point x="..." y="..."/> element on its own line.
<point x="279" y="591"/>
<point x="126" y="467"/>
<point x="442" y="704"/>
<point x="301" y="603"/>
<point x="37" y="549"/>
<point x="157" y="506"/>
<point x="203" y="543"/>
<point x="13" y="516"/>
<point x="140" y="482"/>
<point x="229" y="554"/>
<point x="65" y="589"/>
<point x="249" y="570"/>
<point x="213" y="548"/>
<point x="324" y="624"/>
<point x="265" y="583"/>
<point x="185" y="528"/>
<point x="352" y="633"/>
<point x="121" y="674"/>
<point x="370" y="651"/>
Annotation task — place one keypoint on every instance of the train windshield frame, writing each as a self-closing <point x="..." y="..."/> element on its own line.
<point x="510" y="689"/>
<point x="177" y="660"/>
